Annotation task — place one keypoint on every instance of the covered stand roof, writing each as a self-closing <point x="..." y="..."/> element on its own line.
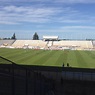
<point x="50" y="37"/>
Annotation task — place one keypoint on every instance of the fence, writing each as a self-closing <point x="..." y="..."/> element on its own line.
<point x="37" y="80"/>
<point x="20" y="80"/>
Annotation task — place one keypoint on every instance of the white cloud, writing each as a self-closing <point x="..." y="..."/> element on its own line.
<point x="53" y="1"/>
<point x="69" y="29"/>
<point x="31" y="14"/>
<point x="8" y="22"/>
<point x="14" y="14"/>
<point x="76" y="1"/>
<point x="78" y="27"/>
<point x="73" y="21"/>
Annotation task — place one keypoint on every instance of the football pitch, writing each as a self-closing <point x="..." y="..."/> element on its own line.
<point x="79" y="59"/>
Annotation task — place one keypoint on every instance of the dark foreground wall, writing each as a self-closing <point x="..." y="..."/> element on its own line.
<point x="45" y="80"/>
<point x="56" y="73"/>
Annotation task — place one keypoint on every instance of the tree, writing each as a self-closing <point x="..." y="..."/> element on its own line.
<point x="13" y="37"/>
<point x="35" y="36"/>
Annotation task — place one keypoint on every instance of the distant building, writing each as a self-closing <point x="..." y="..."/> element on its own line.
<point x="50" y="38"/>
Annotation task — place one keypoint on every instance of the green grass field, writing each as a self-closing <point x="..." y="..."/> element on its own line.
<point x="80" y="59"/>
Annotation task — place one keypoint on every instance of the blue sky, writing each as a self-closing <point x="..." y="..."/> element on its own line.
<point x="68" y="19"/>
